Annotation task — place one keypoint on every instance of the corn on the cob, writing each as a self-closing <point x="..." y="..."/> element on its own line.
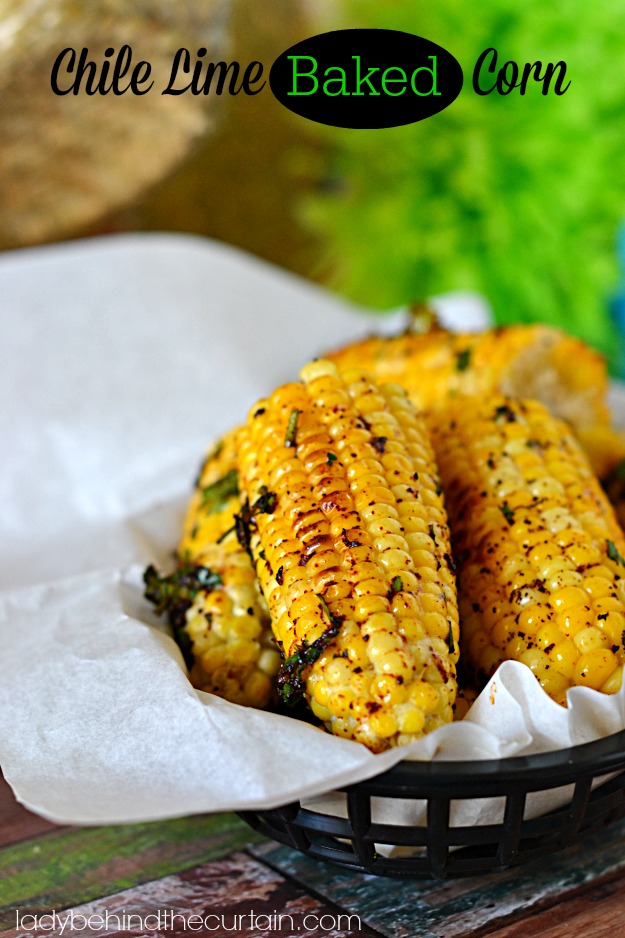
<point x="541" y="557"/>
<point x="213" y="598"/>
<point x="348" y="531"/>
<point x="520" y="361"/>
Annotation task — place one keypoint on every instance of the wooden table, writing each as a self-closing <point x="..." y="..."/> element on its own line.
<point x="214" y="865"/>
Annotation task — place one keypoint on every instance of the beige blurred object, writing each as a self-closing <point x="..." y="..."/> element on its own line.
<point x="67" y="161"/>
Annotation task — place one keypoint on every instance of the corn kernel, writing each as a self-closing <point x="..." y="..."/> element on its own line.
<point x="595" y="667"/>
<point x="597" y="586"/>
<point x="572" y="621"/>
<point x="554" y="683"/>
<point x="535" y="659"/>
<point x="269" y="661"/>
<point x="548" y="636"/>
<point x="411" y="628"/>
<point x="368" y="605"/>
<point x="424" y="696"/>
<point x="387" y="689"/>
<point x="322" y="713"/>
<point x="338" y="672"/>
<point x="436" y="625"/>
<point x="398" y="560"/>
<point x="532" y="618"/>
<point x="564" y="657"/>
<point x="411" y="720"/>
<point x="613" y="683"/>
<point x="589" y="639"/>
<point x="379" y="622"/>
<point x="382" y="642"/>
<point x="383" y="725"/>
<point x="396" y="663"/>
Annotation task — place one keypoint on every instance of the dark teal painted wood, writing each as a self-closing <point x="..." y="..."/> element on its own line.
<point x="461" y="907"/>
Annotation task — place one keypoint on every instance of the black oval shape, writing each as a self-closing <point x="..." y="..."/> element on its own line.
<point x="366" y="78"/>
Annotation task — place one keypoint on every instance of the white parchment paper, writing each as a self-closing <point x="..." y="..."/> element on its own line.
<point x="121" y="358"/>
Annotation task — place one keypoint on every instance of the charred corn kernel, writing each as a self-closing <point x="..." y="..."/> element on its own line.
<point x="389" y="689"/>
<point x="367" y="643"/>
<point x="548" y="637"/>
<point x="520" y="361"/>
<point x="562" y="617"/>
<point x="215" y="605"/>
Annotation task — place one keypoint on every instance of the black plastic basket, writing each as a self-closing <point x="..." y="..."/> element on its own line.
<point x="448" y="850"/>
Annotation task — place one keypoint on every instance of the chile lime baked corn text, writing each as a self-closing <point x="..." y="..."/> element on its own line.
<point x="349" y="536"/>
<point x="541" y="558"/>
<point x="213" y="598"/>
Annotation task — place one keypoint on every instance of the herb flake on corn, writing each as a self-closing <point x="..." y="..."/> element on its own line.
<point x="354" y="555"/>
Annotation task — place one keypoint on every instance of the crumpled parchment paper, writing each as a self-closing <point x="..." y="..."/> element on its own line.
<point x="121" y="359"/>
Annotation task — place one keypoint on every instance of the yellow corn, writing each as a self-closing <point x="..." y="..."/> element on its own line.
<point x="348" y="531"/>
<point x="540" y="554"/>
<point x="213" y="598"/>
<point x="520" y="361"/>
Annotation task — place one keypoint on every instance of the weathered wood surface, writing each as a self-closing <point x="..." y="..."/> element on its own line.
<point x="241" y="895"/>
<point x="16" y="823"/>
<point x="471" y="906"/>
<point x="217" y="865"/>
<point x="595" y="914"/>
<point x="66" y="866"/>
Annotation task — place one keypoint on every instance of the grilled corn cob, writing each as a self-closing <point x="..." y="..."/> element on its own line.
<point x="541" y="557"/>
<point x="520" y="361"/>
<point x="347" y="528"/>
<point x="213" y="598"/>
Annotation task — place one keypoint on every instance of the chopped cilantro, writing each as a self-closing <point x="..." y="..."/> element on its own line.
<point x="244" y="521"/>
<point x="324" y="606"/>
<point x="181" y="586"/>
<point x="450" y="640"/>
<point x="290" y="681"/>
<point x="175" y="593"/>
<point x="331" y="458"/>
<point x="505" y="411"/>
<point x="614" y="554"/>
<point x="265" y="503"/>
<point x="507" y="512"/>
<point x="396" y="584"/>
<point x="291" y="429"/>
<point x="215" y="496"/>
<point x="463" y="359"/>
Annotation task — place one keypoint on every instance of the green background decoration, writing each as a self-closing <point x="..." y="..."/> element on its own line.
<point x="517" y="197"/>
